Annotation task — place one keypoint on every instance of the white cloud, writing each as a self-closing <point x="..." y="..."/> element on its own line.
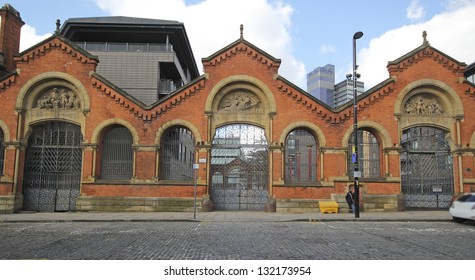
<point x="324" y="49"/>
<point x="213" y="24"/>
<point x="452" y="5"/>
<point x="29" y="37"/>
<point x="415" y="11"/>
<point x="446" y="32"/>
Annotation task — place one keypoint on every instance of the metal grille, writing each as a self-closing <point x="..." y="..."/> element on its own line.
<point x="177" y="153"/>
<point x="300" y="157"/>
<point x="117" y="154"/>
<point x="239" y="168"/>
<point x="2" y="151"/>
<point x="426" y="168"/>
<point x="53" y="167"/>
<point x="368" y="155"/>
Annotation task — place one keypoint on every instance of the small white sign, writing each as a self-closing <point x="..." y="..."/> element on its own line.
<point x="202" y="160"/>
<point x="196" y="166"/>
<point x="357" y="174"/>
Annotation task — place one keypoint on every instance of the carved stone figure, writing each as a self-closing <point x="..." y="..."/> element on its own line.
<point x="240" y="102"/>
<point x="59" y="99"/>
<point x="421" y="105"/>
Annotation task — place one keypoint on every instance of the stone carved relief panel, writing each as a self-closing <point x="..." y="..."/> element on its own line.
<point x="240" y="102"/>
<point x="58" y="98"/>
<point x="424" y="105"/>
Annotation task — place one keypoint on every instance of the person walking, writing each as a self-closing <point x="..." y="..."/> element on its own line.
<point x="350" y="199"/>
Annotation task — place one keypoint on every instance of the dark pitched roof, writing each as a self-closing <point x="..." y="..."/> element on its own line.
<point x="133" y="30"/>
<point x="120" y="20"/>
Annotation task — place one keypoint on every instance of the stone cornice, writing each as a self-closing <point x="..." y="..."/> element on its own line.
<point x="56" y="44"/>
<point x="469" y="88"/>
<point x="306" y="102"/>
<point x="7" y="82"/>
<point x="422" y="53"/>
<point x="139" y="110"/>
<point x="241" y="48"/>
<point x="331" y="116"/>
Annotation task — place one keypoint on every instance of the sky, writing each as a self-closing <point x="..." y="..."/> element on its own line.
<point x="304" y="34"/>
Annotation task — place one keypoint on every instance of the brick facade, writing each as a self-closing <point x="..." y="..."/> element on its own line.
<point x="239" y="67"/>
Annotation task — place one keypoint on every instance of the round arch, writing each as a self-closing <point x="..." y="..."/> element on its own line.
<point x="6" y="131"/>
<point x="106" y="123"/>
<point x="177" y="122"/>
<point x="40" y="82"/>
<point x="379" y="129"/>
<point x="444" y="92"/>
<point x="241" y="81"/>
<point x="448" y="132"/>
<point x="315" y="129"/>
<point x="31" y="126"/>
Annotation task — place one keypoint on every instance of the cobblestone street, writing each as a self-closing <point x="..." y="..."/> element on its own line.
<point x="237" y="240"/>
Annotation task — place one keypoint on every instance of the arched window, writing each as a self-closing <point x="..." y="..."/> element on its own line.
<point x="117" y="154"/>
<point x="177" y="154"/>
<point x="2" y="151"/>
<point x="300" y="157"/>
<point x="368" y="155"/>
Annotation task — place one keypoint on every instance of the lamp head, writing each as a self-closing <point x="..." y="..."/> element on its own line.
<point x="358" y="35"/>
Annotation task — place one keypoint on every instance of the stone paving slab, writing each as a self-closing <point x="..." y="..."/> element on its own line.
<point x="223" y="216"/>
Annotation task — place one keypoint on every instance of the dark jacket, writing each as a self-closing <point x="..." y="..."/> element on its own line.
<point x="349" y="198"/>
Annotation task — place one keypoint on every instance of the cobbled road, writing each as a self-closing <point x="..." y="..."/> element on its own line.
<point x="237" y="241"/>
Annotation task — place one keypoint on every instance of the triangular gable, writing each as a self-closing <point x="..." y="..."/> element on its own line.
<point x="240" y="46"/>
<point x="42" y="48"/>
<point x="425" y="51"/>
<point x="386" y="87"/>
<point x="56" y="42"/>
<point x="102" y="85"/>
<point x="295" y="94"/>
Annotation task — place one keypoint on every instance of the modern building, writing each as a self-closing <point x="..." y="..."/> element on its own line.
<point x="344" y="91"/>
<point x="240" y="136"/>
<point x="470" y="73"/>
<point x="146" y="58"/>
<point x="321" y="84"/>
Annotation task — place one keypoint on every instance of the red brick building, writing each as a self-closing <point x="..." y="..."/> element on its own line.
<point x="71" y="140"/>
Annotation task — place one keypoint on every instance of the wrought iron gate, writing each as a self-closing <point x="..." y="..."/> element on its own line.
<point x="239" y="168"/>
<point x="53" y="167"/>
<point x="426" y="168"/>
<point x="117" y="154"/>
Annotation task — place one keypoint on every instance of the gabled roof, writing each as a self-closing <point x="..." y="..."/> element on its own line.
<point x="425" y="50"/>
<point x="39" y="48"/>
<point x="218" y="55"/>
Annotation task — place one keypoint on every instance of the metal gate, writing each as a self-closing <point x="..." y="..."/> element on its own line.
<point x="117" y="154"/>
<point x="239" y="168"/>
<point x="53" y="167"/>
<point x="426" y="168"/>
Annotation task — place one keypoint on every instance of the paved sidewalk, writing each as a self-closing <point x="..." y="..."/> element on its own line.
<point x="224" y="216"/>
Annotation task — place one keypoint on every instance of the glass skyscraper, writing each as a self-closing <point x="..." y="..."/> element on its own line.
<point x="321" y="84"/>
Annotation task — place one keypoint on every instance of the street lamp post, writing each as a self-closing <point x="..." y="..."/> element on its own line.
<point x="356" y="173"/>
